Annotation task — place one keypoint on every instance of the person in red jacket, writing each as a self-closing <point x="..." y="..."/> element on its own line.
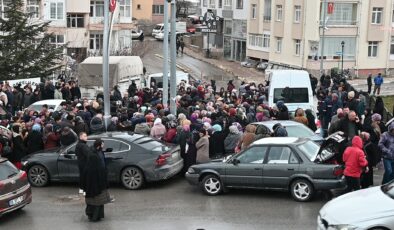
<point x="355" y="160"/>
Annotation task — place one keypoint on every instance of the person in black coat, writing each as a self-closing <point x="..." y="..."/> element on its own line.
<point x="94" y="182"/>
<point x="35" y="139"/>
<point x="19" y="149"/>
<point x="371" y="152"/>
<point x="82" y="151"/>
<point x="67" y="137"/>
<point x="216" y="142"/>
<point x="379" y="106"/>
<point x="311" y="120"/>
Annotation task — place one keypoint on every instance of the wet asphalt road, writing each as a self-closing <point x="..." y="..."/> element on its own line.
<point x="172" y="204"/>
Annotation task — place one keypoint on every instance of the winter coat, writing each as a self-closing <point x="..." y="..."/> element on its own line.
<point x="68" y="138"/>
<point x="81" y="151"/>
<point x="52" y="141"/>
<point x="75" y="92"/>
<point x="170" y="135"/>
<point x="354" y="158"/>
<point x="216" y="143"/>
<point x="202" y="146"/>
<point x="17" y="99"/>
<point x="248" y="137"/>
<point x="27" y="98"/>
<point x="302" y="120"/>
<point x="58" y="94"/>
<point x="142" y="128"/>
<point x="378" y="80"/>
<point x="19" y="149"/>
<point x="386" y="143"/>
<point x="94" y="178"/>
<point x="158" y="131"/>
<point x="34" y="142"/>
<point x="81" y="127"/>
<point x="231" y="142"/>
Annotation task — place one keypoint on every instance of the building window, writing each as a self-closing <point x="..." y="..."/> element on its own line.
<point x="254" y="11"/>
<point x="96" y="41"/>
<point x="333" y="47"/>
<point x="228" y="3"/>
<point x="125" y="8"/>
<point x="297" y="14"/>
<point x="96" y="8"/>
<point x="205" y="3"/>
<point x="158" y="9"/>
<point x="56" y="10"/>
<point x="343" y="14"/>
<point x="372" y="49"/>
<point x="266" y="40"/>
<point x="138" y="6"/>
<point x="279" y="45"/>
<point x="279" y="12"/>
<point x="57" y="40"/>
<point x="33" y="8"/>
<point x="377" y="15"/>
<point x="4" y="7"/>
<point x="255" y="40"/>
<point x="240" y="4"/>
<point x="392" y="48"/>
<point x="297" y="47"/>
<point x="212" y="4"/>
<point x="220" y="3"/>
<point x="75" y="21"/>
<point x="267" y="10"/>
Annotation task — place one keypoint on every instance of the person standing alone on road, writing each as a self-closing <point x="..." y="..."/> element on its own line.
<point x="355" y="160"/>
<point x="369" y="83"/>
<point x="386" y="145"/>
<point x="378" y="80"/>
<point x="81" y="151"/>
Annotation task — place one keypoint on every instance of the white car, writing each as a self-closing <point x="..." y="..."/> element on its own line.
<point x="136" y="34"/>
<point x="52" y="103"/>
<point x="367" y="209"/>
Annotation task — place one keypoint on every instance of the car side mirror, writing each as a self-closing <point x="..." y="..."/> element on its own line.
<point x="235" y="161"/>
<point x="108" y="150"/>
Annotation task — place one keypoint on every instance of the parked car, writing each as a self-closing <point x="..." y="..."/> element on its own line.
<point x="137" y="34"/>
<point x="294" y="129"/>
<point x="15" y="190"/>
<point x="292" y="164"/>
<point x="132" y="160"/>
<point x="371" y="208"/>
<point x="249" y="63"/>
<point x="262" y="66"/>
<point x="52" y="103"/>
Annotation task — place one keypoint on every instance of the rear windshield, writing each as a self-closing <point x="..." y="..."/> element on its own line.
<point x="299" y="131"/>
<point x="152" y="145"/>
<point x="310" y="149"/>
<point x="291" y="95"/>
<point x="7" y="170"/>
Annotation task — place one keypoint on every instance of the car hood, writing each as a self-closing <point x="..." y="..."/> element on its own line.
<point x="359" y="206"/>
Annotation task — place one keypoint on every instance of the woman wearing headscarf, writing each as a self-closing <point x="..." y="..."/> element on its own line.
<point x="171" y="133"/>
<point x="94" y="182"/>
<point x="202" y="146"/>
<point x="248" y="137"/>
<point x="371" y="154"/>
<point x="300" y="117"/>
<point x="19" y="149"/>
<point x="158" y="130"/>
<point x="216" y="142"/>
<point x="232" y="139"/>
<point x="379" y="106"/>
<point x="311" y="120"/>
<point x="34" y="139"/>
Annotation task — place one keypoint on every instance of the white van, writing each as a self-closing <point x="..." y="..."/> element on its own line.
<point x="293" y="87"/>
<point x="158" y="78"/>
<point x="159" y="28"/>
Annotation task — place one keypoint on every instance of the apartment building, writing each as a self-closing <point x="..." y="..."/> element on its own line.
<point x="79" y="24"/>
<point x="295" y="34"/>
<point x="231" y="36"/>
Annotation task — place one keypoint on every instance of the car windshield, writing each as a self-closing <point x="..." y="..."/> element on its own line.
<point x="7" y="170"/>
<point x="158" y="27"/>
<point x="299" y="131"/>
<point x="310" y="149"/>
<point x="39" y="107"/>
<point x="291" y="95"/>
<point x="388" y="189"/>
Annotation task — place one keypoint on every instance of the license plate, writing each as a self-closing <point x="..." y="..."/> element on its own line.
<point x="175" y="155"/>
<point x="16" y="201"/>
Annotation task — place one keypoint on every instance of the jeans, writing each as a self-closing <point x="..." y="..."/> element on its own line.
<point x="353" y="183"/>
<point x="388" y="170"/>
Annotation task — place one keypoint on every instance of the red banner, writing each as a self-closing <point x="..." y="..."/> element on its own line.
<point x="112" y="5"/>
<point x="330" y="8"/>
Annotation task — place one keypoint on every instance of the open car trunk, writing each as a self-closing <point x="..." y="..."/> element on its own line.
<point x="331" y="150"/>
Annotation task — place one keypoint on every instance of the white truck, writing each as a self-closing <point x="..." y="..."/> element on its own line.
<point x="122" y="71"/>
<point x="158" y="31"/>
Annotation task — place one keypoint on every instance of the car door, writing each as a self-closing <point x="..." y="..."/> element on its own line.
<point x="248" y="170"/>
<point x="67" y="164"/>
<point x="116" y="158"/>
<point x="281" y="163"/>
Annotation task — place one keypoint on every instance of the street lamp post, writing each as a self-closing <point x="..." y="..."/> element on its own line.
<point x="343" y="47"/>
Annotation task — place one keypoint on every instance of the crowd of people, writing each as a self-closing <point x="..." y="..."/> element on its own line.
<point x="210" y="122"/>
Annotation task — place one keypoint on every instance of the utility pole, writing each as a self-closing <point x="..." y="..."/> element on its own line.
<point x="107" y="114"/>
<point x="323" y="19"/>
<point x="173" y="85"/>
<point x="165" y="57"/>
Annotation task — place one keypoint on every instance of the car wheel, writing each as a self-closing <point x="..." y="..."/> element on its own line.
<point x="132" y="178"/>
<point x="211" y="185"/>
<point x="38" y="176"/>
<point x="301" y="190"/>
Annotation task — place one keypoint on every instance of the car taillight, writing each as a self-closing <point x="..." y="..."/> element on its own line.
<point x="23" y="175"/>
<point x="162" y="159"/>
<point x="338" y="171"/>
